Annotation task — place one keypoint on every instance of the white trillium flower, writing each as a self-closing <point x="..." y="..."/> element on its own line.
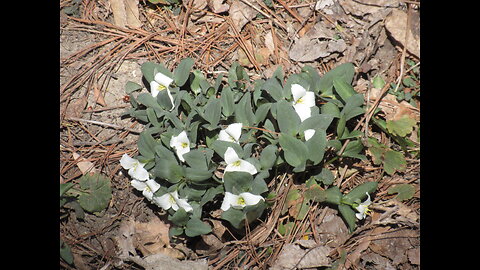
<point x="303" y="100"/>
<point x="181" y="143"/>
<point x="134" y="167"/>
<point x="239" y="201"/>
<point x="235" y="164"/>
<point x="231" y="133"/>
<point x="362" y="208"/>
<point x="171" y="200"/>
<point x="160" y="83"/>
<point x="146" y="187"/>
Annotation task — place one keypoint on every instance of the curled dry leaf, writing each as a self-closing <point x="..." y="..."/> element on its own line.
<point x="393" y="109"/>
<point x="217" y="6"/>
<point x="241" y="13"/>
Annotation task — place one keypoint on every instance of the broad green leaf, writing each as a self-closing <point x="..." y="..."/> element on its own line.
<point x="378" y="82"/>
<point x="97" y="192"/>
<point x="168" y="170"/>
<point x="349" y="216"/>
<point x="325" y="176"/>
<point x="353" y="150"/>
<point x="401" y="127"/>
<point x="294" y="150"/>
<point x="330" y="108"/>
<point x="221" y="146"/>
<point x="197" y="227"/>
<point x="65" y="252"/>
<point x="319" y="121"/>
<point x="262" y="112"/>
<point x="341" y="125"/>
<point x="405" y="191"/>
<point x="344" y="71"/>
<point x="394" y="161"/>
<point x="164" y="100"/>
<point x="226" y="99"/>
<point x="235" y="217"/>
<point x="196" y="175"/>
<point x="343" y="89"/>
<point x="213" y="111"/>
<point x="210" y="194"/>
<point x="359" y="193"/>
<point x="182" y="72"/>
<point x="237" y="182"/>
<point x="316" y="146"/>
<point x="146" y="145"/>
<point x="288" y="120"/>
<point x="315" y="193"/>
<point x="258" y="185"/>
<point x="65" y="187"/>
<point x="244" y="112"/>
<point x="149" y="101"/>
<point x="179" y="218"/>
<point x="196" y="159"/>
<point x="353" y="107"/>
<point x="253" y="212"/>
<point x="132" y="87"/>
<point x="268" y="156"/>
<point x="273" y="87"/>
<point x="333" y="195"/>
<point x="149" y="69"/>
<point x="314" y="78"/>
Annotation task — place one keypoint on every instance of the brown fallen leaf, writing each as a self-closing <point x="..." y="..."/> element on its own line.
<point x="97" y="95"/>
<point x="162" y="262"/>
<point x="241" y="13"/>
<point x="396" y="25"/>
<point x="75" y="108"/>
<point x="84" y="165"/>
<point x="125" y="13"/>
<point x="152" y="238"/>
<point x="393" y="109"/>
<point x="293" y="256"/>
<point x="217" y="6"/>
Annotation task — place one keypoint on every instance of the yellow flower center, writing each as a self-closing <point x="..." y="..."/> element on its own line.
<point x="161" y="87"/>
<point x="299" y="101"/>
<point x="184" y="144"/>
<point x="236" y="163"/>
<point x="241" y="201"/>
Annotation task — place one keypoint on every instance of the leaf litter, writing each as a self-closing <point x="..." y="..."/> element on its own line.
<point x="323" y="34"/>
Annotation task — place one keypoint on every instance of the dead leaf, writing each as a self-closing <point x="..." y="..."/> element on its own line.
<point x="84" y="165"/>
<point x="75" y="108"/>
<point x="393" y="109"/>
<point x="125" y="13"/>
<point x="152" y="237"/>
<point x="209" y="244"/>
<point x="133" y="14"/>
<point x="293" y="256"/>
<point x="332" y="231"/>
<point x="365" y="242"/>
<point x="162" y="262"/>
<point x="414" y="255"/>
<point x="396" y="25"/>
<point x="366" y="7"/>
<point x="98" y="97"/>
<point x="262" y="56"/>
<point x="124" y="238"/>
<point x="118" y="10"/>
<point x="241" y="13"/>
<point x="217" y="6"/>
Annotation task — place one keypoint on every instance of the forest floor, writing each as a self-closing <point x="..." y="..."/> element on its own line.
<point x="101" y="49"/>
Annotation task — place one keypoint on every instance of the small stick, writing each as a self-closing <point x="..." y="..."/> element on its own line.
<point x="103" y="124"/>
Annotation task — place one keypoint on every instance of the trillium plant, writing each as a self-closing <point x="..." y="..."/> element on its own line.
<point x="211" y="144"/>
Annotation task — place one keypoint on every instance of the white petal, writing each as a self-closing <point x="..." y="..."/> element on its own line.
<point x="138" y="172"/>
<point x="235" y="130"/>
<point x="153" y="185"/>
<point x="163" y="79"/>
<point x="230" y="156"/>
<point x="163" y="201"/>
<point x="360" y="215"/>
<point x="251" y="199"/>
<point x="228" y="200"/>
<point x="297" y="91"/>
<point x="171" y="99"/>
<point x="138" y="185"/>
<point x="303" y="111"/>
<point x="309" y="134"/>
<point x="184" y="204"/>
<point x="244" y="166"/>
<point x="154" y="88"/>
<point x="181" y="143"/>
<point x="224" y="136"/>
<point x="309" y="99"/>
<point x="127" y="162"/>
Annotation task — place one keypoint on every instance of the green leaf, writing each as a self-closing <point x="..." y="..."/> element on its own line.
<point x="316" y="146"/>
<point x="262" y="112"/>
<point x="402" y="126"/>
<point x="197" y="227"/>
<point x="405" y="191"/>
<point x="353" y="106"/>
<point x="349" y="216"/>
<point x="343" y="89"/>
<point x="244" y="112"/>
<point x="179" y="218"/>
<point x="353" y="150"/>
<point x="288" y="120"/>
<point x="197" y="77"/>
<point x="96" y="194"/>
<point x="315" y="193"/>
<point x="394" y="161"/>
<point x="213" y="112"/>
<point x="149" y="69"/>
<point x="325" y="176"/>
<point x="65" y="252"/>
<point x="235" y="217"/>
<point x="168" y="170"/>
<point x="196" y="175"/>
<point x="273" y="87"/>
<point x="226" y="98"/>
<point x="146" y="145"/>
<point x="196" y="159"/>
<point x="294" y="150"/>
<point x="359" y="192"/>
<point x="149" y="101"/>
<point x="378" y="82"/>
<point x="221" y="146"/>
<point x="65" y="187"/>
<point x="268" y="156"/>
<point x="341" y="125"/>
<point x="132" y="87"/>
<point x="237" y="182"/>
<point x="319" y="121"/>
<point x="182" y="72"/>
<point x="333" y="195"/>
<point x="344" y="71"/>
<point x="330" y="108"/>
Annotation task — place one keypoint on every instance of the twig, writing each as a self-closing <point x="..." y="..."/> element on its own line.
<point x="103" y="124"/>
